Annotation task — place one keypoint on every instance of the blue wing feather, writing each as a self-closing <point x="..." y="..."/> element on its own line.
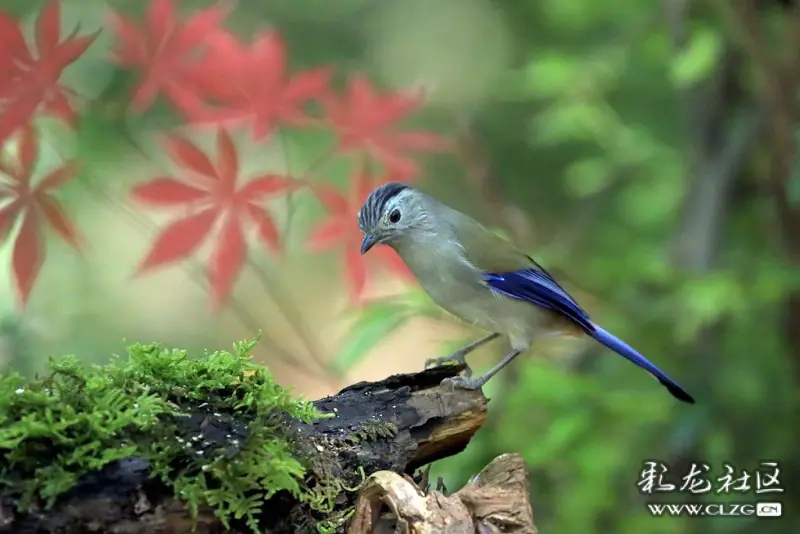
<point x="535" y="285"/>
<point x="538" y="287"/>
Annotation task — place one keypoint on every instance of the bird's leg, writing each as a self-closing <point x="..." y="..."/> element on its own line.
<point x="478" y="382"/>
<point x="461" y="354"/>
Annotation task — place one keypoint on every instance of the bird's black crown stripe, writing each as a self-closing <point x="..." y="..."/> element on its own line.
<point x="379" y="198"/>
<point x="387" y="192"/>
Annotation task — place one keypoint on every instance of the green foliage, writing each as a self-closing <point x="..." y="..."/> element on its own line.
<point x="378" y="319"/>
<point x="552" y="73"/>
<point x="704" y="301"/>
<point x="696" y="61"/>
<point x="589" y="176"/>
<point x="77" y="419"/>
<point x="371" y="327"/>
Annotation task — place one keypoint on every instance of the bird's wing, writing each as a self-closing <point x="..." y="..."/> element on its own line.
<point x="511" y="272"/>
<point x="538" y="287"/>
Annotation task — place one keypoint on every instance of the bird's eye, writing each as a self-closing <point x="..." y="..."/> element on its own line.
<point x="394" y="216"/>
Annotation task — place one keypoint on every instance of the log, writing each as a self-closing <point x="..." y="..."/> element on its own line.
<point x="382" y="429"/>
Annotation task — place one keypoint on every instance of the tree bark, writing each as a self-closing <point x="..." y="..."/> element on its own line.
<point x="416" y="420"/>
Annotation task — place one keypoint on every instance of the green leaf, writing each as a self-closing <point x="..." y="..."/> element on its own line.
<point x="571" y="121"/>
<point x="633" y="145"/>
<point x="698" y="58"/>
<point x="706" y="300"/>
<point x="651" y="200"/>
<point x="551" y="74"/>
<point x="561" y="435"/>
<point x="378" y="321"/>
<point x="588" y="176"/>
<point x="573" y="16"/>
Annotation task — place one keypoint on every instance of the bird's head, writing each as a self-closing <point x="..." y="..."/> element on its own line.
<point x="391" y="212"/>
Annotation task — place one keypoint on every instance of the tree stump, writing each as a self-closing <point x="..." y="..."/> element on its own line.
<point x="414" y="420"/>
<point x="494" y="501"/>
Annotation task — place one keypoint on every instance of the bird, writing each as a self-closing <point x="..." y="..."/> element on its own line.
<point x="483" y="279"/>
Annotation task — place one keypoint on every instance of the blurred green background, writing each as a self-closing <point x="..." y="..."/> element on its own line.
<point x="645" y="152"/>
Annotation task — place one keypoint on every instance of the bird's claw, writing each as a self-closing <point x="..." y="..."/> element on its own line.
<point x="462" y="382"/>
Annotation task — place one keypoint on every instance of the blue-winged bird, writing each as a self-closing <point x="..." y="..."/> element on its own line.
<point x="483" y="279"/>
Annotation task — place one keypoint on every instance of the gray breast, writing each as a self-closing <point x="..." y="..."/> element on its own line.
<point x="457" y="286"/>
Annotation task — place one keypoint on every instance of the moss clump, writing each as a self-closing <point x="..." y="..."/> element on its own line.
<point x="372" y="430"/>
<point x="215" y="429"/>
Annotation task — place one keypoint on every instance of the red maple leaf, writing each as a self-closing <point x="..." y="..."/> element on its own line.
<point x="341" y="228"/>
<point x="210" y="194"/>
<point x="28" y="80"/>
<point x="166" y="50"/>
<point x="365" y="121"/>
<point x="252" y="84"/>
<point x="35" y="206"/>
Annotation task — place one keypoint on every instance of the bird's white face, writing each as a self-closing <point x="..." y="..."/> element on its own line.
<point x="395" y="218"/>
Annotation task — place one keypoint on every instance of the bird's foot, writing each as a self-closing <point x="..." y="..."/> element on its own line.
<point x="457" y="358"/>
<point x="460" y="356"/>
<point x="463" y="382"/>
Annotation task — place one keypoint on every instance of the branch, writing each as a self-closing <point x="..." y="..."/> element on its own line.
<point x="743" y="22"/>
<point x="705" y="206"/>
<point x="397" y="424"/>
<point x="779" y="78"/>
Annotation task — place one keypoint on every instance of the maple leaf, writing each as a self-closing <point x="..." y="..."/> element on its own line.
<point x="210" y="192"/>
<point x="166" y="50"/>
<point x="251" y="84"/>
<point x="28" y="80"/>
<point x="341" y="228"/>
<point x="365" y="121"/>
<point x="35" y="207"/>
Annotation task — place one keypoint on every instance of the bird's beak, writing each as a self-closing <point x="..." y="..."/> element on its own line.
<point x="368" y="242"/>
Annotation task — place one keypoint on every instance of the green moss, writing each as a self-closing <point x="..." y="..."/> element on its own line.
<point x="213" y="428"/>
<point x="371" y="430"/>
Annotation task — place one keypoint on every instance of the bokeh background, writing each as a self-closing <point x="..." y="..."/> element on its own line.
<point x="645" y="152"/>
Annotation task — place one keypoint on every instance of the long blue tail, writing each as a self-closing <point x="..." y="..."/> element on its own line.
<point x="626" y="351"/>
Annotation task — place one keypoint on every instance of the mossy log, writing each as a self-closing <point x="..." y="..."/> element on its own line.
<point x="394" y="425"/>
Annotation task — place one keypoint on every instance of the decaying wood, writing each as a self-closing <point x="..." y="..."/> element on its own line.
<point x="430" y="421"/>
<point x="494" y="501"/>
